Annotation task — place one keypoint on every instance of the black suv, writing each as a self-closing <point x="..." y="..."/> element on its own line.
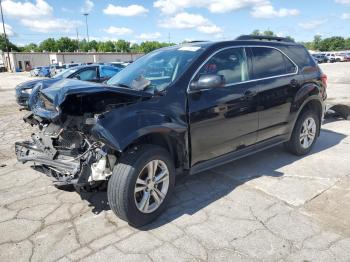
<point x="178" y="110"/>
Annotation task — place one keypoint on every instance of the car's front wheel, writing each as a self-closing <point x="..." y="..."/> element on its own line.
<point x="141" y="184"/>
<point x="304" y="134"/>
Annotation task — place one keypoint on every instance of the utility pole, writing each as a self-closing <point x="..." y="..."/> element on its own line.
<point x="169" y="38"/>
<point x="6" y="44"/>
<point x="77" y="38"/>
<point x="87" y="27"/>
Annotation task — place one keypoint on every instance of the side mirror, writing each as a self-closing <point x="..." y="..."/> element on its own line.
<point x="77" y="77"/>
<point x="208" y="82"/>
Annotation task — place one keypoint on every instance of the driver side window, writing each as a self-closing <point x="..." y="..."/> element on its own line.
<point x="230" y="63"/>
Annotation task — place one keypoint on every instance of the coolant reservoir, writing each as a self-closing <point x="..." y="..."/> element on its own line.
<point x="100" y="171"/>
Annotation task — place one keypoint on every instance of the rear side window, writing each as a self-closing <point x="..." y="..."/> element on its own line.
<point x="269" y="62"/>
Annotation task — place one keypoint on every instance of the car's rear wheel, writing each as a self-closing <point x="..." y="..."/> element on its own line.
<point x="141" y="184"/>
<point x="304" y="134"/>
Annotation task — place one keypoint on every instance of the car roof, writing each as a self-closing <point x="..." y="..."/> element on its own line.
<point x="208" y="44"/>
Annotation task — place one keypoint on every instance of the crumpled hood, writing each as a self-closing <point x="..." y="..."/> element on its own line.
<point x="31" y="83"/>
<point x="60" y="91"/>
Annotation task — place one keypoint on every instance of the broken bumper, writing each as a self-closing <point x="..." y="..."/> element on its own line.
<point x="62" y="171"/>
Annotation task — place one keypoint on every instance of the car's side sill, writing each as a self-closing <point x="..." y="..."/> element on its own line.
<point x="229" y="157"/>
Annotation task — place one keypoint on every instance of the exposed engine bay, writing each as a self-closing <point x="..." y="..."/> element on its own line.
<point x="66" y="152"/>
<point x="64" y="148"/>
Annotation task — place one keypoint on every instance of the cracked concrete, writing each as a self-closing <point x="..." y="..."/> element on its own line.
<point x="271" y="206"/>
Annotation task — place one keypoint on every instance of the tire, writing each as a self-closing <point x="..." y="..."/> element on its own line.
<point x="123" y="199"/>
<point x="297" y="145"/>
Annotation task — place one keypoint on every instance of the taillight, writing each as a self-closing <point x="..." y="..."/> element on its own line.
<point x="324" y="79"/>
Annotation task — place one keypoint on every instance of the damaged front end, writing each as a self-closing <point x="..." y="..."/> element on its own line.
<point x="66" y="152"/>
<point x="64" y="147"/>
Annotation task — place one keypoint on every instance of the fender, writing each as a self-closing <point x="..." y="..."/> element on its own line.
<point x="307" y="93"/>
<point x="120" y="128"/>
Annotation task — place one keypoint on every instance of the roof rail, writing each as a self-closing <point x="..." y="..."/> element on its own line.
<point x="265" y="37"/>
<point x="195" y="41"/>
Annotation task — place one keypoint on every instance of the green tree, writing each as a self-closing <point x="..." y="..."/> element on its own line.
<point x="256" y="32"/>
<point x="32" y="47"/>
<point x="48" y="45"/>
<point x="107" y="46"/>
<point x="122" y="46"/>
<point x="65" y="44"/>
<point x="149" y="46"/>
<point x="11" y="46"/>
<point x="316" y="43"/>
<point x="269" y="33"/>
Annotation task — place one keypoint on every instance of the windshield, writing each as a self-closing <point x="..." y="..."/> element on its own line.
<point x="157" y="70"/>
<point x="65" y="73"/>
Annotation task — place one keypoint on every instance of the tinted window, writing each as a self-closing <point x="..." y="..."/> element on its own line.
<point x="270" y="62"/>
<point x="107" y="72"/>
<point x="231" y="63"/>
<point x="87" y="74"/>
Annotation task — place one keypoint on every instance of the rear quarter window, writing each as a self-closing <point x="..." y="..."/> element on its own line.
<point x="299" y="55"/>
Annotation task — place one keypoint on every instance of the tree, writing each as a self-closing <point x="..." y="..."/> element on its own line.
<point x="32" y="47"/>
<point x="317" y="42"/>
<point x="107" y="46"/>
<point x="122" y="46"/>
<point x="48" y="45"/>
<point x="149" y="46"/>
<point x="256" y="32"/>
<point x="269" y="33"/>
<point x="11" y="46"/>
<point x="65" y="44"/>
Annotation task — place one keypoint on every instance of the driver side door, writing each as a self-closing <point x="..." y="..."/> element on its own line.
<point x="223" y="119"/>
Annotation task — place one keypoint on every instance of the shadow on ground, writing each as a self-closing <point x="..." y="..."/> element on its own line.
<point x="192" y="193"/>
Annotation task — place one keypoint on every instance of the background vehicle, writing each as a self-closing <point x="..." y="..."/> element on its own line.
<point x="320" y="58"/>
<point x="92" y="73"/>
<point x="35" y="71"/>
<point x="119" y="65"/>
<point x="44" y="71"/>
<point x="180" y="109"/>
<point x="330" y="57"/>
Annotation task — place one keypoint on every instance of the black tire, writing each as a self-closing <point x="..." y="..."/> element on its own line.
<point x="294" y="144"/>
<point x="123" y="180"/>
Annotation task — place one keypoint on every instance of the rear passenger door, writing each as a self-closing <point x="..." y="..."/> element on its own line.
<point x="277" y="80"/>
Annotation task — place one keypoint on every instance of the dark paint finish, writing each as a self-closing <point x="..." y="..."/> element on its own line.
<point x="212" y="124"/>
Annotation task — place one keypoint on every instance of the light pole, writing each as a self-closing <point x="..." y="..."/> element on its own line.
<point x="87" y="27"/>
<point x="6" y="44"/>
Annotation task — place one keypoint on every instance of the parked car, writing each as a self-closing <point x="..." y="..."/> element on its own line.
<point x="330" y="57"/>
<point x="120" y="65"/>
<point x="44" y="71"/>
<point x="92" y="73"/>
<point x="320" y="58"/>
<point x="345" y="57"/>
<point x="55" y="69"/>
<point x="178" y="110"/>
<point x="35" y="71"/>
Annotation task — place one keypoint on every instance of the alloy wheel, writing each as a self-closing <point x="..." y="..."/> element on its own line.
<point x="308" y="132"/>
<point x="151" y="186"/>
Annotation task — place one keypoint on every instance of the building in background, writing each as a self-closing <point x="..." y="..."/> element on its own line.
<point x="22" y="61"/>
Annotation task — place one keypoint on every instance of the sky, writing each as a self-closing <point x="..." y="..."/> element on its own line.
<point x="29" y="21"/>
